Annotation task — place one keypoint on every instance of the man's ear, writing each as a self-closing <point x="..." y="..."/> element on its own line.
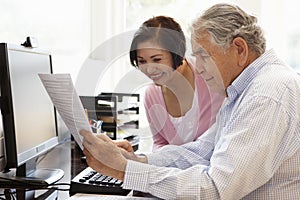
<point x="242" y="50"/>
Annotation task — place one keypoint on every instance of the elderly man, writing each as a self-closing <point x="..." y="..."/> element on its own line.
<point x="253" y="149"/>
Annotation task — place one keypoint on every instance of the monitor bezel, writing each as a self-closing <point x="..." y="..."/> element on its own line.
<point x="12" y="158"/>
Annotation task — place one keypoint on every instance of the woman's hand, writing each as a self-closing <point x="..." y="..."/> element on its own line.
<point x="128" y="152"/>
<point x="124" y="144"/>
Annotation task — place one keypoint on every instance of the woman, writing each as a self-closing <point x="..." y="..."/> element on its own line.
<point x="179" y="105"/>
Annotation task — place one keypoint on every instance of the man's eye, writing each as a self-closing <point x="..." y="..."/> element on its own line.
<point x="205" y="55"/>
<point x="201" y="54"/>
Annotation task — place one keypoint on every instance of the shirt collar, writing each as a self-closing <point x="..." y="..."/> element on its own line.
<point x="249" y="73"/>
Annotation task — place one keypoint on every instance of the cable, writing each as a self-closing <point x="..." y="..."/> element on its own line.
<point x="49" y="188"/>
<point x="8" y="194"/>
<point x="24" y="182"/>
<point x="36" y="186"/>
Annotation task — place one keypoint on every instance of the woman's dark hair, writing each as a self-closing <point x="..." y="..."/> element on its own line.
<point x="165" y="32"/>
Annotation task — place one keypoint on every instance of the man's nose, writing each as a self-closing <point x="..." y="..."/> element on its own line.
<point x="200" y="66"/>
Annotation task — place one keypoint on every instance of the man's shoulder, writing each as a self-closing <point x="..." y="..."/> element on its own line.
<point x="275" y="80"/>
<point x="279" y="76"/>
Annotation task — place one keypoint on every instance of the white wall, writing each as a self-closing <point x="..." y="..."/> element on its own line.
<point x="108" y="45"/>
<point x="61" y="27"/>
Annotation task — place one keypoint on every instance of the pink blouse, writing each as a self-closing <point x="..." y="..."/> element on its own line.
<point x="161" y="126"/>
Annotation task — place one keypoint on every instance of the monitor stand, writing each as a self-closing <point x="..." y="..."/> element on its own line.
<point x="27" y="176"/>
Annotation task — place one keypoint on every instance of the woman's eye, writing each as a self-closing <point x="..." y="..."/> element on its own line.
<point x="157" y="59"/>
<point x="141" y="61"/>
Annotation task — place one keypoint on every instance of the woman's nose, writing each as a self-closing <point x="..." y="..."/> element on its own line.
<point x="150" y="68"/>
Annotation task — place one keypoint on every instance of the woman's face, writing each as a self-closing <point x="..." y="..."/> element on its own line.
<point x="155" y="62"/>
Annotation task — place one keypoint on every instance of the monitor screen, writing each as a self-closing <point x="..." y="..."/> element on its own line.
<point x="29" y="118"/>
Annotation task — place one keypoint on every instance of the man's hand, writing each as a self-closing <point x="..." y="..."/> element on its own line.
<point x="102" y="168"/>
<point x="103" y="155"/>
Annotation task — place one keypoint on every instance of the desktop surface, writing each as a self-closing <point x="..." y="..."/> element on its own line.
<point x="89" y="181"/>
<point x="81" y="196"/>
<point x="67" y="157"/>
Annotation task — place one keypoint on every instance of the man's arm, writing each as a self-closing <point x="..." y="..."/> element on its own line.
<point x="103" y="155"/>
<point x="186" y="155"/>
<point x="248" y="147"/>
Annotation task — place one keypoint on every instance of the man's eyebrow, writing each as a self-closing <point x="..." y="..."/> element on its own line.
<point x="199" y="50"/>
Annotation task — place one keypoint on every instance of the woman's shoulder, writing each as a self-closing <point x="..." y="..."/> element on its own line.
<point x="152" y="89"/>
<point x="153" y="94"/>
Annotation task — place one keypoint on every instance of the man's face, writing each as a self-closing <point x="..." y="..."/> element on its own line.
<point x="212" y="63"/>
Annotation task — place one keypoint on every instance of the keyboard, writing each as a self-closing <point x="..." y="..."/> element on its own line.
<point x="89" y="181"/>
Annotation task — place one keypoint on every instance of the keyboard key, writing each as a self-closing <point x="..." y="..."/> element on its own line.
<point x="89" y="181"/>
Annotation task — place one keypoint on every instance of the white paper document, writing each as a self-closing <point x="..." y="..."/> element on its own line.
<point x="65" y="99"/>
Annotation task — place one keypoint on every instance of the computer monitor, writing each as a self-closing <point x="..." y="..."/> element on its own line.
<point x="29" y="118"/>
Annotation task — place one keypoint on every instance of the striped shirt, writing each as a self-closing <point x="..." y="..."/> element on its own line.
<point x="251" y="152"/>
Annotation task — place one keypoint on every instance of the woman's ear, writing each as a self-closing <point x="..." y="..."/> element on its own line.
<point x="242" y="50"/>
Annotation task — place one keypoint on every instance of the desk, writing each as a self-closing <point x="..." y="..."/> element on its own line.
<point x="66" y="156"/>
<point x="107" y="197"/>
<point x="58" y="158"/>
